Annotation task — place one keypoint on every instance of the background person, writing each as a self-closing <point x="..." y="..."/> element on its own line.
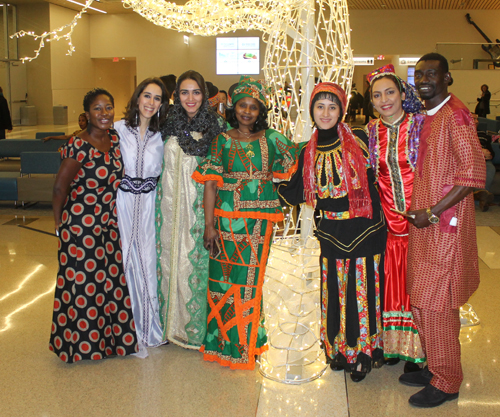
<point x="484" y="196"/>
<point x="142" y="152"/>
<point x="5" y="119"/>
<point x="188" y="133"/>
<point x="367" y="105"/>
<point x="241" y="209"/>
<point x="92" y="318"/>
<point x="82" y="123"/>
<point x="483" y="102"/>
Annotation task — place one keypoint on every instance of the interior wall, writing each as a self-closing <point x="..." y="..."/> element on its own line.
<point x="467" y="84"/>
<point x="72" y="76"/>
<point x="159" y="51"/>
<point x="412" y="33"/>
<point x="36" y="17"/>
<point x="118" y="78"/>
<point x="416" y="32"/>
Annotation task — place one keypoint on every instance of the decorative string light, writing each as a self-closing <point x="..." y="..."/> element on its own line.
<point x="291" y="298"/>
<point x="54" y="35"/>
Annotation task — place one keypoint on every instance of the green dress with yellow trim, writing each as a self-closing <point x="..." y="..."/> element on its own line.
<point x="246" y="208"/>
<point x="352" y="256"/>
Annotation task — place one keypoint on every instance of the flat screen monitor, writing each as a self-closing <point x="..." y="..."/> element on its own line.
<point x="238" y="56"/>
<point x="410" y="79"/>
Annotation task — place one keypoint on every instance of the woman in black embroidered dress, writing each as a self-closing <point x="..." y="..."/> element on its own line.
<point x="334" y="176"/>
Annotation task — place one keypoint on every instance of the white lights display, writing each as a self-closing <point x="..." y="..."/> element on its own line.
<point x="291" y="295"/>
<point x="64" y="32"/>
<point x="468" y="316"/>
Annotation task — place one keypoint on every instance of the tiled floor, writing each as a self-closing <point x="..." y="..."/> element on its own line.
<point x="176" y="382"/>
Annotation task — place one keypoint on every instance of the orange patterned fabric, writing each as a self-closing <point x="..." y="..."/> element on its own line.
<point x="442" y="259"/>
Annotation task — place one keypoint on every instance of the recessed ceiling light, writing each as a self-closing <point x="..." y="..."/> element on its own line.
<point x="80" y="4"/>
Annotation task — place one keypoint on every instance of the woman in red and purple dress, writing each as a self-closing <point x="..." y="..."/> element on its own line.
<point x="393" y="143"/>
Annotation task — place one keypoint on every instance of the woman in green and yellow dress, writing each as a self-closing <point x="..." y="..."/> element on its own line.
<point x="241" y="208"/>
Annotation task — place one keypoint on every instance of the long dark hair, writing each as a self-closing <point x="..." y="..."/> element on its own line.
<point x="195" y="76"/>
<point x="260" y="123"/>
<point x="206" y="121"/>
<point x="132" y="116"/>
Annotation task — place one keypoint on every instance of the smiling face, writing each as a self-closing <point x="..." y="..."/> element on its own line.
<point x="149" y="102"/>
<point x="82" y="122"/>
<point x="247" y="111"/>
<point x="431" y="82"/>
<point x="387" y="99"/>
<point x="326" y="113"/>
<point x="101" y="113"/>
<point x="191" y="97"/>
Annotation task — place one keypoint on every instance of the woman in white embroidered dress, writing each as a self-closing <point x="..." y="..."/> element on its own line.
<point x="142" y="151"/>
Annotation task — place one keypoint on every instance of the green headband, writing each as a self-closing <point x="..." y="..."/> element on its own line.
<point x="248" y="87"/>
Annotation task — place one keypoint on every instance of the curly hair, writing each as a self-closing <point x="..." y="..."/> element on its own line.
<point x="132" y="115"/>
<point x="260" y="124"/>
<point x="91" y="96"/>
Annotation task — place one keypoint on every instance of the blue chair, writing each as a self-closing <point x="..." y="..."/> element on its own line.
<point x="40" y="162"/>
<point x="8" y="186"/>
<point x="42" y="135"/>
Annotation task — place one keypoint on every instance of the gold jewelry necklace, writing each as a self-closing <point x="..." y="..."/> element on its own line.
<point x="244" y="133"/>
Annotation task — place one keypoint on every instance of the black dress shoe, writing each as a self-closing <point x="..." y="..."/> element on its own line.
<point x="411" y="367"/>
<point x="357" y="376"/>
<point x="336" y="366"/>
<point x="430" y="396"/>
<point x="417" y="379"/>
<point x="391" y="361"/>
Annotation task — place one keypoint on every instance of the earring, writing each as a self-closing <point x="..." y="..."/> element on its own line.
<point x="137" y="118"/>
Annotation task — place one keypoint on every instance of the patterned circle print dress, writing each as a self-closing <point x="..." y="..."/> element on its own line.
<point x="92" y="310"/>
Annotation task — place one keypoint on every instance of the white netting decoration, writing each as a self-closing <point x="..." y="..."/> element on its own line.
<point x="291" y="295"/>
<point x="307" y="40"/>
